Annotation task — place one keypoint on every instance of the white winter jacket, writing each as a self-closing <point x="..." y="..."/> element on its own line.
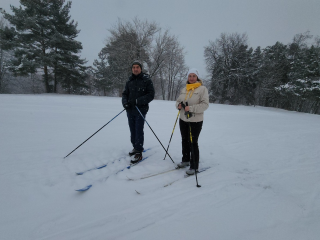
<point x="198" y="103"/>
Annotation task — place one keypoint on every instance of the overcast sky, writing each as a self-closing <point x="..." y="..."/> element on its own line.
<point x="195" y="23"/>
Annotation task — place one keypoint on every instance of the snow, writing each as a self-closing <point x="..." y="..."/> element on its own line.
<point x="263" y="182"/>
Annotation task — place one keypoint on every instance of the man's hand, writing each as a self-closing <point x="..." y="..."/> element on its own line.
<point x="127" y="106"/>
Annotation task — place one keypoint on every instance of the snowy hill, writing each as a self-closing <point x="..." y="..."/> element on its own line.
<point x="263" y="183"/>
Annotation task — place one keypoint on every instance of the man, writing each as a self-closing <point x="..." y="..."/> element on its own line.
<point x="138" y="92"/>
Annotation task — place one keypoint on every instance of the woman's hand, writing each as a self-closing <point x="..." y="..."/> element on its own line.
<point x="179" y="106"/>
<point x="186" y="109"/>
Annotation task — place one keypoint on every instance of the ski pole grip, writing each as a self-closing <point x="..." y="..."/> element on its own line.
<point x="182" y="105"/>
<point x="187" y="113"/>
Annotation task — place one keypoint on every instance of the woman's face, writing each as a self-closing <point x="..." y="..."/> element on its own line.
<point x="192" y="78"/>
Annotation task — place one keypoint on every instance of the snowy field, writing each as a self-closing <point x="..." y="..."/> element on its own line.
<point x="263" y="184"/>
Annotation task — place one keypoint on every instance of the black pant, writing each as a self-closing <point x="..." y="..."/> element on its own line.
<point x="186" y="143"/>
<point x="136" y="124"/>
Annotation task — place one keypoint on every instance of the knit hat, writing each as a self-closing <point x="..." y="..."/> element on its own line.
<point x="136" y="62"/>
<point x="195" y="71"/>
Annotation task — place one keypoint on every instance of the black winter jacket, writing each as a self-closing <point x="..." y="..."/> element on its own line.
<point x="140" y="90"/>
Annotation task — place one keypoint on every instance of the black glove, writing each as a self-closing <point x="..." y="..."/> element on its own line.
<point x="182" y="105"/>
<point x="127" y="106"/>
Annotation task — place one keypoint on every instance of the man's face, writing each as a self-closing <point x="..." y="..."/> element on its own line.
<point x="136" y="70"/>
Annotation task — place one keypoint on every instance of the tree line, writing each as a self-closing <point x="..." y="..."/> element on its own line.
<point x="39" y="53"/>
<point x="283" y="75"/>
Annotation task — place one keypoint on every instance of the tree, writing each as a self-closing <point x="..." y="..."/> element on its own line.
<point x="64" y="49"/>
<point x="226" y="59"/>
<point x="257" y="75"/>
<point x="302" y="89"/>
<point x="42" y="37"/>
<point x="101" y="73"/>
<point x="174" y="71"/>
<point x="275" y="71"/>
<point x="5" y="57"/>
<point x="167" y="66"/>
<point x="160" y="53"/>
<point x="129" y="41"/>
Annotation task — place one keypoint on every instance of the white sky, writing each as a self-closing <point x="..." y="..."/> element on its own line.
<point x="196" y="22"/>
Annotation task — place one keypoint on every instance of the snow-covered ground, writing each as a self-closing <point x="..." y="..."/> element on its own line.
<point x="263" y="184"/>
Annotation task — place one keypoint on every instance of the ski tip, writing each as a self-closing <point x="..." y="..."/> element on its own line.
<point x="130" y="179"/>
<point x="79" y="173"/>
<point x="84" y="189"/>
<point x="102" y="166"/>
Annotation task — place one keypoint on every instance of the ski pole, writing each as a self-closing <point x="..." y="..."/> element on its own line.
<point x="192" y="149"/>
<point x="94" y="133"/>
<point x="172" y="134"/>
<point x="154" y="133"/>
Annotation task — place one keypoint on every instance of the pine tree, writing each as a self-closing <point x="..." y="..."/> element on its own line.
<point x="102" y="76"/>
<point x="43" y="38"/>
<point x="257" y="74"/>
<point x="67" y="65"/>
<point x="5" y="57"/>
<point x="226" y="59"/>
<point x="275" y="73"/>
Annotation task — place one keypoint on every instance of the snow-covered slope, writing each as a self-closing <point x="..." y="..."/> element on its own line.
<point x="263" y="182"/>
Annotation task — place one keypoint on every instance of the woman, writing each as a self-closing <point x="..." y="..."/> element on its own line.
<point x="192" y="102"/>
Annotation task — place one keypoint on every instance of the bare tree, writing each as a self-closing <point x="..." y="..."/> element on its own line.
<point x="129" y="41"/>
<point x="301" y="39"/>
<point x="160" y="53"/>
<point x="167" y="65"/>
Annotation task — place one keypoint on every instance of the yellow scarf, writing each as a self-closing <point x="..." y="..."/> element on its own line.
<point x="191" y="87"/>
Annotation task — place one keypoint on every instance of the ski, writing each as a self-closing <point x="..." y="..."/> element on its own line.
<point x="186" y="175"/>
<point x="170" y="183"/>
<point x="128" y="167"/>
<point x="84" y="189"/>
<point x="99" y="167"/>
<point x="104" y="165"/>
<point x="153" y="175"/>
<point x="199" y="171"/>
<point x="133" y="164"/>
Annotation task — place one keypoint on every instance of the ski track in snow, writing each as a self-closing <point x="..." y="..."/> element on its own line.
<point x="263" y="182"/>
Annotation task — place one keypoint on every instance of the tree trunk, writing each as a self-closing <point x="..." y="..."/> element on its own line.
<point x="46" y="78"/>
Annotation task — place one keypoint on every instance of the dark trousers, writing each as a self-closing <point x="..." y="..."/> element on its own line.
<point x="186" y="143"/>
<point x="136" y="124"/>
